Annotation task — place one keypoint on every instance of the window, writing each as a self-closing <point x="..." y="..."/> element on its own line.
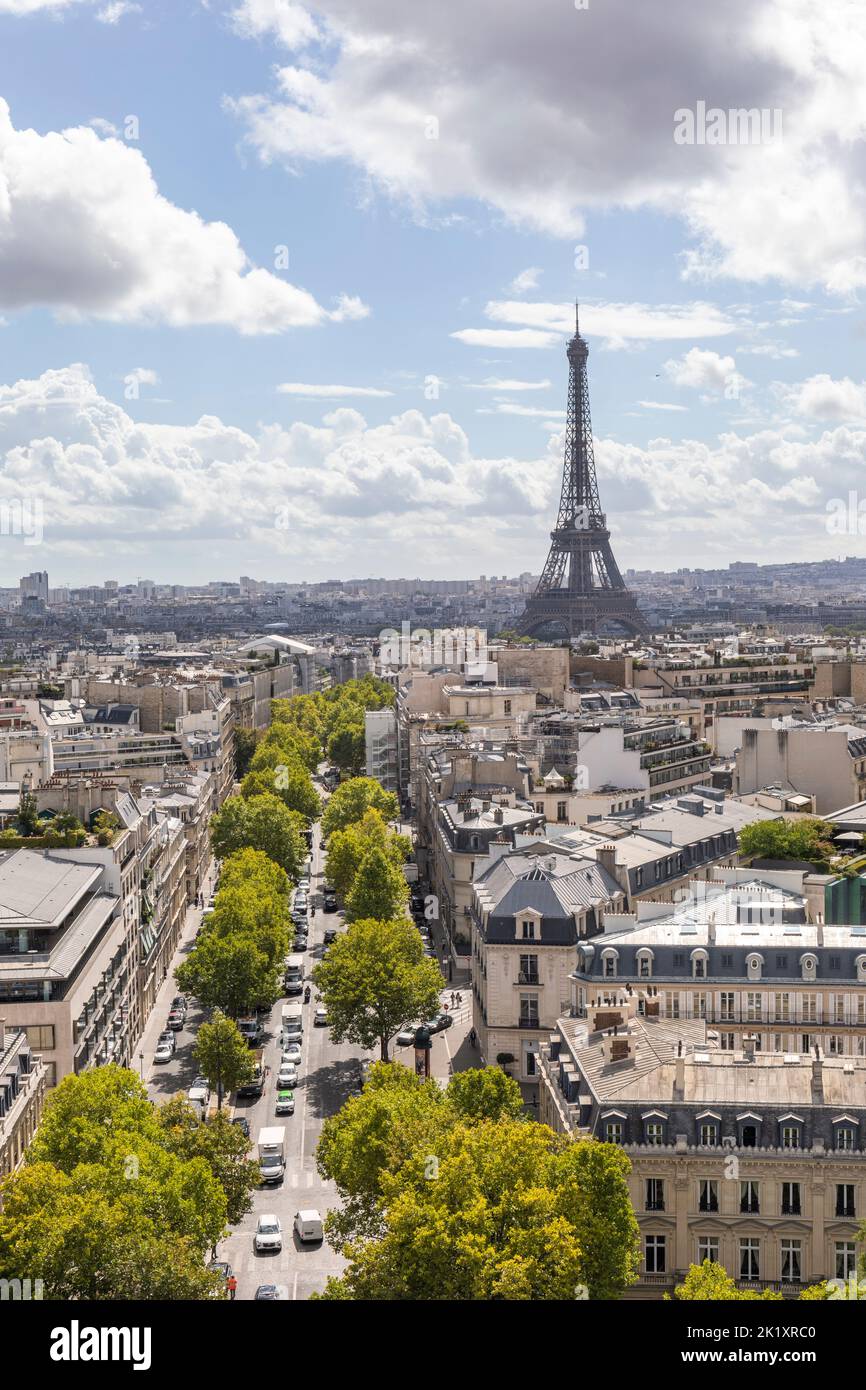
<point x="781" y="962"/>
<point x="791" y="1261"/>
<point x="750" y="1259"/>
<point x="40" y="1036"/>
<point x="655" y="1194"/>
<point x="750" y="1198"/>
<point x="790" y="1199"/>
<point x="845" y="1199"/>
<point x="561" y="811"/>
<point x="790" y="1136"/>
<point x="609" y="966"/>
<point x="529" y="1011"/>
<point x="709" y="1133"/>
<point x="679" y="958"/>
<point x="726" y="1007"/>
<point x="726" y="1042"/>
<point x="672" y="1004"/>
<point x="727" y="960"/>
<point x="844" y="1137"/>
<point x="644" y="966"/>
<point x="838" y="1004"/>
<point x="749" y="1136"/>
<point x="528" y="970"/>
<point x="700" y="968"/>
<point x="846" y="1259"/>
<point x="809" y="1008"/>
<point x="753" y="1008"/>
<point x="708" y="1249"/>
<point x="527" y="931"/>
<point x="655" y="1132"/>
<point x="655" y="1254"/>
<point x="783" y="1008"/>
<point x="613" y="1132"/>
<point x="507" y="706"/>
<point x="708" y="1195"/>
<point x="700" y="1006"/>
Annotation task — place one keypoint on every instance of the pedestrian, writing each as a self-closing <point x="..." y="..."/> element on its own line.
<point x="452" y="999"/>
<point x="459" y="1000"/>
<point x="232" y="1285"/>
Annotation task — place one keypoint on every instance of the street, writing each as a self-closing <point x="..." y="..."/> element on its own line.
<point x="327" y="1075"/>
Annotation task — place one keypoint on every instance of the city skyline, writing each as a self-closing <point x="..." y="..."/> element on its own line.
<point x="308" y="316"/>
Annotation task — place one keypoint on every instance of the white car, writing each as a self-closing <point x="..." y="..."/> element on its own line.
<point x="292" y="1053"/>
<point x="320" y="1017"/>
<point x="164" y="1052"/>
<point x="199" y="1092"/>
<point x="288" y="1075"/>
<point x="269" y="1233"/>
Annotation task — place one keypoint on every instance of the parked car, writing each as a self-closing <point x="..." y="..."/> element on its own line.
<point x="164" y="1052"/>
<point x="435" y="1025"/>
<point x="320" y="1017"/>
<point x="330" y="935"/>
<point x="269" y="1293"/>
<point x="168" y="1037"/>
<point x="243" y="1124"/>
<point x="329" y="903"/>
<point x="285" y="1103"/>
<point x="176" y="1021"/>
<point x="406" y="1036"/>
<point x="179" y="1002"/>
<point x="299" y="943"/>
<point x="269" y="1233"/>
<point x="439" y="1023"/>
<point x="199" y="1092"/>
<point x="287" y="1075"/>
<point x="309" y="1227"/>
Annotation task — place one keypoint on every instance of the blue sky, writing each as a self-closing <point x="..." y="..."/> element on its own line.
<point x="722" y="299"/>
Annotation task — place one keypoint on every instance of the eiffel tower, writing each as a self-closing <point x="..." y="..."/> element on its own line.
<point x="581" y="588"/>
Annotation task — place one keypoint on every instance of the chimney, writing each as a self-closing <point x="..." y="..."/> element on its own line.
<point x="711" y="929"/>
<point x="498" y="815"/>
<point x="606" y="856"/>
<point x="819" y="932"/>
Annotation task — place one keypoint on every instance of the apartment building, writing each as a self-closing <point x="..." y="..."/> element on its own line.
<point x="22" y="1095"/>
<point x="529" y="911"/>
<point x="749" y="1159"/>
<point x="382" y="748"/>
<point x="745" y="956"/>
<point x="721" y="684"/>
<point x="826" y="760"/>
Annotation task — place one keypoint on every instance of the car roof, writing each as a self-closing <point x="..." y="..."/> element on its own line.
<point x="268" y="1216"/>
<point x="309" y="1215"/>
<point x="282" y="1094"/>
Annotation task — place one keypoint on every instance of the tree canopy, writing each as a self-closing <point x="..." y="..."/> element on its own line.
<point x="352" y="799"/>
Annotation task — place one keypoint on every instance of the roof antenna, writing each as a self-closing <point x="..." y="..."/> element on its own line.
<point x="576" y="320"/>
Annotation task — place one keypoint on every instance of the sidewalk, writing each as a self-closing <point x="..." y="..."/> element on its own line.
<point x="168" y="989"/>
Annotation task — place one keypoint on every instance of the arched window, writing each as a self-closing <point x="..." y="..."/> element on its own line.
<point x="700" y="963"/>
<point x="645" y="963"/>
<point x="610" y="962"/>
<point x="860" y="966"/>
<point x="809" y="966"/>
<point x="754" y="965"/>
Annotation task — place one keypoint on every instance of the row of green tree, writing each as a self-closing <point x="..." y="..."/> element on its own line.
<point x="327" y="723"/>
<point x="121" y="1199"/>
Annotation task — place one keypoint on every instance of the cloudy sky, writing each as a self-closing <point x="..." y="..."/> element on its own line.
<point x="285" y="289"/>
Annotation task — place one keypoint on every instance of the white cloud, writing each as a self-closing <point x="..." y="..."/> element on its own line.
<point x="126" y="254"/>
<point x="114" y="12"/>
<point x="495" y="383"/>
<point x="333" y="393"/>
<point x="506" y="338"/>
<point x="142" y="376"/>
<point x="533" y="411"/>
<point x="775" y="351"/>
<point x="661" y="405"/>
<point x="405" y="497"/>
<point x="702" y="370"/>
<point x="593" y="126"/>
<point x="822" y="398"/>
<point x="290" y="24"/>
<point x="526" y="280"/>
<point x="618" y="324"/>
<point x="25" y="7"/>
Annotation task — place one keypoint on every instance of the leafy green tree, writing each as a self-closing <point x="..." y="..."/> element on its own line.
<point x="806" y="839"/>
<point x="496" y="1210"/>
<point x="228" y="973"/>
<point x="352" y="799"/>
<point x="291" y="782"/>
<point x="252" y="868"/>
<point x="87" y="1241"/>
<point x="83" y="1111"/>
<point x="347" y="848"/>
<point x="221" y="1144"/>
<point x="264" y="823"/>
<point x="485" y="1093"/>
<point x="711" y="1283"/>
<point x="347" y="747"/>
<point x="246" y="741"/>
<point x="379" y="889"/>
<point x="245" y="911"/>
<point x="222" y="1055"/>
<point x="374" y="979"/>
<point x="290" y="740"/>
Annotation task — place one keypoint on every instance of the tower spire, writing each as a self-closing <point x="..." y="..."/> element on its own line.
<point x="580" y="587"/>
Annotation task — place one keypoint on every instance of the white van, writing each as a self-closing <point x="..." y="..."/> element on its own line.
<point x="308" y="1227"/>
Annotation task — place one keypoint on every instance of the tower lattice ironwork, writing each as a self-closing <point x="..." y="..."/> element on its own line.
<point x="581" y="588"/>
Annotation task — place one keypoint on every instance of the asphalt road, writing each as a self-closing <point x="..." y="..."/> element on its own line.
<point x="327" y="1075"/>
